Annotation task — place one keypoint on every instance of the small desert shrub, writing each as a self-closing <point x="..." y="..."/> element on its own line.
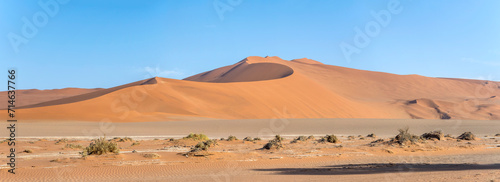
<point x="156" y="139"/>
<point x="405" y="137"/>
<point x="371" y="135"/>
<point x="64" y="140"/>
<point x="498" y="134"/>
<point x="330" y="139"/>
<point x="73" y="146"/>
<point x="300" y="138"/>
<point x="448" y="135"/>
<point x="248" y="139"/>
<point x="135" y="143"/>
<point x="350" y="137"/>
<point x="467" y="136"/>
<point x="203" y="146"/>
<point x="28" y="151"/>
<point x="195" y="136"/>
<point x="257" y="139"/>
<point x="279" y="138"/>
<point x="152" y="156"/>
<point x="231" y="138"/>
<point x="433" y="134"/>
<point x="274" y="143"/>
<point x="101" y="146"/>
<point x="310" y="137"/>
<point x="222" y="139"/>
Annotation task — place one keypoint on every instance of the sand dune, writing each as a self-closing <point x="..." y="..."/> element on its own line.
<point x="262" y="88"/>
<point x="35" y="96"/>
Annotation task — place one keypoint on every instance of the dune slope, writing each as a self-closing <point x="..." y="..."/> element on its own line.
<point x="263" y="88"/>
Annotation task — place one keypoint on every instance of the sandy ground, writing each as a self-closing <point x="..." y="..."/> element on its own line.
<point x="354" y="159"/>
<point x="264" y="128"/>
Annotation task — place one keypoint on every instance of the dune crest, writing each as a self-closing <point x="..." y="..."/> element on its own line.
<point x="270" y="87"/>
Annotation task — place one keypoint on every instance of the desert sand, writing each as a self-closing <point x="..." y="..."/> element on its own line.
<point x="262" y="88"/>
<point x="260" y="98"/>
<point x="356" y="158"/>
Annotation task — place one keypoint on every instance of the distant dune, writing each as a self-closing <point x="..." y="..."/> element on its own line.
<point x="262" y="88"/>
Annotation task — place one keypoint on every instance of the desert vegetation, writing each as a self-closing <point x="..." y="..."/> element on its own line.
<point x="101" y="146"/>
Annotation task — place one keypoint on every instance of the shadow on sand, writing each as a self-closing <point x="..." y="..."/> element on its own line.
<point x="375" y="168"/>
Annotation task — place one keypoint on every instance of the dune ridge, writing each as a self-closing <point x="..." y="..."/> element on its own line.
<point x="270" y="87"/>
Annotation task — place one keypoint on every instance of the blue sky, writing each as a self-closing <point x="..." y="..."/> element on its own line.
<point x="95" y="43"/>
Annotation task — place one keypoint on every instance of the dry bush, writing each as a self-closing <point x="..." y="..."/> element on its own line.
<point x="467" y="136"/>
<point x="202" y="146"/>
<point x="250" y="139"/>
<point x="101" y="146"/>
<point x="231" y="138"/>
<point x="433" y="134"/>
<point x="274" y="143"/>
<point x="197" y="136"/>
<point x="330" y="139"/>
<point x="371" y="135"/>
<point x="405" y="137"/>
<point x="28" y="151"/>
<point x="299" y="139"/>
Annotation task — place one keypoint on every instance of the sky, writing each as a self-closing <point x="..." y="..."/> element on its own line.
<point x="100" y="44"/>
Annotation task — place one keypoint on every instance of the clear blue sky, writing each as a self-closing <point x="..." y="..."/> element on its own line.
<point x="96" y="43"/>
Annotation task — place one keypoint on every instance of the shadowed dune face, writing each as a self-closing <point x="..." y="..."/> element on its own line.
<point x="264" y="88"/>
<point x="34" y="96"/>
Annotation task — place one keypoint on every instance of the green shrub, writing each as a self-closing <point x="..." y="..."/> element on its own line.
<point x="101" y="146"/>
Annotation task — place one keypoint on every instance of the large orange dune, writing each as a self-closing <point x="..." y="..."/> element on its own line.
<point x="261" y="88"/>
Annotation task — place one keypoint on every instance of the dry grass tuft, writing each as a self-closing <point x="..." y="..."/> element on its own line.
<point x="152" y="156"/>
